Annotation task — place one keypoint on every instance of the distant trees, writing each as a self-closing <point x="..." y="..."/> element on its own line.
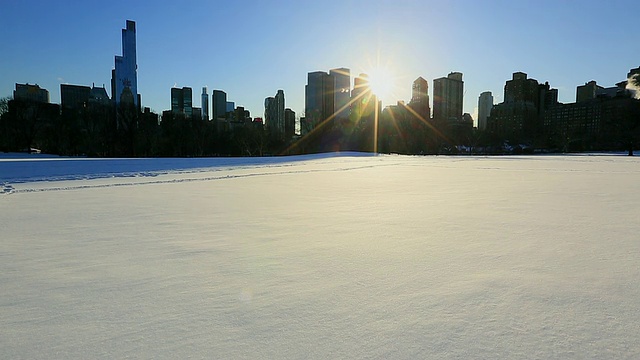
<point x="4" y="104"/>
<point x="103" y="129"/>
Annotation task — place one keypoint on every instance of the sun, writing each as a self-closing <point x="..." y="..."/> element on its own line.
<point x="381" y="82"/>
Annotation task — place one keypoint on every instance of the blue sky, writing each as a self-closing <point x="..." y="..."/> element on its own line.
<point x="250" y="49"/>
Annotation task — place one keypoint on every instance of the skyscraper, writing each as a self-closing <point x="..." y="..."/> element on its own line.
<point x="218" y="104"/>
<point x="125" y="73"/>
<point x="341" y="91"/>
<point x="279" y="111"/>
<point x="447" y="97"/>
<point x="485" y="103"/>
<point x="327" y="95"/>
<point x="362" y="100"/>
<point x="205" y="104"/>
<point x="182" y="101"/>
<point x="269" y="111"/>
<point x="274" y="115"/>
<point x="420" y="98"/>
<point x="289" y="123"/>
<point x="319" y="101"/>
<point x="521" y="89"/>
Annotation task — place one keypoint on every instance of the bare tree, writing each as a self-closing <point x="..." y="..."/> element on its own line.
<point x="4" y="104"/>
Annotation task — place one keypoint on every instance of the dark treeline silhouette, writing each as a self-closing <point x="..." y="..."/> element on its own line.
<point x="402" y="131"/>
<point x="104" y="130"/>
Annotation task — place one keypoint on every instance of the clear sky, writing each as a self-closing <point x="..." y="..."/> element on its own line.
<point x="250" y="49"/>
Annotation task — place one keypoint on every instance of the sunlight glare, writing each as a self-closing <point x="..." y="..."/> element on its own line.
<point x="381" y="82"/>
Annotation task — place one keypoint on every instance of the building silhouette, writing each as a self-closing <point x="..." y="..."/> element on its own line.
<point x="587" y="91"/>
<point x="289" y="123"/>
<point x="420" y="98"/>
<point x="218" y="104"/>
<point x="319" y="100"/>
<point x="125" y="73"/>
<point x="204" y="104"/>
<point x="327" y="96"/>
<point x="274" y="115"/>
<point x="520" y="117"/>
<point x="447" y="98"/>
<point x="341" y="79"/>
<point x="74" y="97"/>
<point x="601" y="118"/>
<point x="31" y="93"/>
<point x="269" y="111"/>
<point x="362" y="100"/>
<point x="182" y="101"/>
<point x="485" y="103"/>
<point x="98" y="95"/>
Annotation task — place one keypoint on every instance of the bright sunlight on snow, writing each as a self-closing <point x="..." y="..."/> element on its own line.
<point x="322" y="257"/>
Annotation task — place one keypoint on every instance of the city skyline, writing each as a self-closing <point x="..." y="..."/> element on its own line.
<point x="275" y="46"/>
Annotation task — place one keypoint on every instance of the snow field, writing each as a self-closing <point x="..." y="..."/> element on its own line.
<point x="322" y="257"/>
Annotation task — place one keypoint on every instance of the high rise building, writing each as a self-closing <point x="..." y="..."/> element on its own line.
<point x="447" y="97"/>
<point x="218" y="104"/>
<point x="341" y="91"/>
<point x="485" y="103"/>
<point x="182" y="101"/>
<point x="319" y="100"/>
<point x="98" y="95"/>
<point x="205" y="104"/>
<point x="274" y="114"/>
<point x="279" y="120"/>
<point x="521" y="89"/>
<point x="31" y="92"/>
<point x="362" y="101"/>
<point x="74" y="97"/>
<point x="289" y="123"/>
<point x="125" y="73"/>
<point x="327" y="95"/>
<point x="269" y="111"/>
<point x="588" y="91"/>
<point x="420" y="98"/>
<point x="520" y="116"/>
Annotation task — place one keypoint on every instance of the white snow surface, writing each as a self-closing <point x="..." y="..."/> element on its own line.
<point x="320" y="257"/>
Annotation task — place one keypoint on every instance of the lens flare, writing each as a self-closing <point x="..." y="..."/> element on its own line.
<point x="381" y="82"/>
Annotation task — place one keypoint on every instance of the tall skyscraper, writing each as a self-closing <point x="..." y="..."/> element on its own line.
<point x="447" y="97"/>
<point x="420" y="98"/>
<point x="341" y="79"/>
<point x="274" y="114"/>
<point x="319" y="102"/>
<point x="182" y="101"/>
<point x="279" y="124"/>
<point x="269" y="111"/>
<point x="218" y="104"/>
<point x="327" y="95"/>
<point x="485" y="103"/>
<point x="205" y="104"/>
<point x="362" y="101"/>
<point x="125" y="73"/>
<point x="289" y="123"/>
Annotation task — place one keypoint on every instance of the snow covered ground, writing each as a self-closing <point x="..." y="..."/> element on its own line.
<point x="324" y="257"/>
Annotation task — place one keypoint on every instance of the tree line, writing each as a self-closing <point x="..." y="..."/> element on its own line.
<point x="105" y="130"/>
